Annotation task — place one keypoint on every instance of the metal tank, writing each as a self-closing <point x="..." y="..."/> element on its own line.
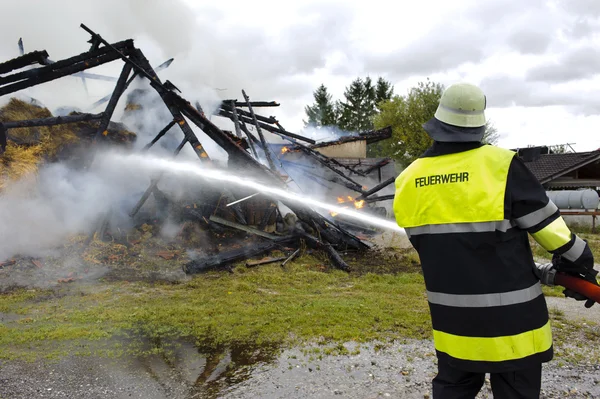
<point x="575" y="199"/>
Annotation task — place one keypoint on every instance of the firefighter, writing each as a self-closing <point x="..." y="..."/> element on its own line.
<point x="467" y="209"/>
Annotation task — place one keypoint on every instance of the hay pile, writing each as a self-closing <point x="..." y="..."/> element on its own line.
<point x="28" y="148"/>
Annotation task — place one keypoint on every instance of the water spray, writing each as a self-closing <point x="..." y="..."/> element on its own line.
<point x="156" y="164"/>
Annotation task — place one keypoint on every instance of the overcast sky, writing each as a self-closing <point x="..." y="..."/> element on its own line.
<point x="537" y="61"/>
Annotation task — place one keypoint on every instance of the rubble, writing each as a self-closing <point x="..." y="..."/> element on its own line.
<point x="34" y="136"/>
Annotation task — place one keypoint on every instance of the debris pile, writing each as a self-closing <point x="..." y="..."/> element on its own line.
<point x="216" y="227"/>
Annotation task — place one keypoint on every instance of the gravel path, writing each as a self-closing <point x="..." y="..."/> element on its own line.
<point x="401" y="370"/>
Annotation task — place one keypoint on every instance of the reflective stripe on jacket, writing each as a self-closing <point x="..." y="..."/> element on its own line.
<point x="470" y="230"/>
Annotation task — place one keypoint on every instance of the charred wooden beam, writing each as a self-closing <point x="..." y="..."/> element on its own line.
<point x="265" y="261"/>
<point x="260" y="133"/>
<point x="267" y="216"/>
<point x="112" y="103"/>
<point x="62" y="68"/>
<point x="58" y="120"/>
<point x="225" y="259"/>
<point x="3" y="141"/>
<point x="159" y="135"/>
<point x="140" y="61"/>
<point x="377" y="188"/>
<point x="290" y="258"/>
<point x="235" y="206"/>
<point x="238" y="131"/>
<point x="315" y="243"/>
<point x="243" y="228"/>
<point x="35" y="57"/>
<point x="380" y="198"/>
<point x="229" y="108"/>
<point x="256" y="104"/>
<point x="272" y="129"/>
<point x="378" y="165"/>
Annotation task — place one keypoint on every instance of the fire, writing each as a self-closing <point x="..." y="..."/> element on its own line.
<point x="334" y="214"/>
<point x="359" y="204"/>
<point x="350" y="198"/>
<point x="284" y="150"/>
<point x="340" y="200"/>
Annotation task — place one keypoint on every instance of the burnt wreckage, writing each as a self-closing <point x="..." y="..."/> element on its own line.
<point x="245" y="211"/>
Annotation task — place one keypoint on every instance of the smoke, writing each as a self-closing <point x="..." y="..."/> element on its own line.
<point x="326" y="133"/>
<point x="37" y="214"/>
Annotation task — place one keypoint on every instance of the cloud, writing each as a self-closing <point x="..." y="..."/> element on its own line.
<point x="580" y="63"/>
<point x="528" y="41"/>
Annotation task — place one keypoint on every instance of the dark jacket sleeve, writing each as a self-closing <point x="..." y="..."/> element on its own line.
<point x="530" y="208"/>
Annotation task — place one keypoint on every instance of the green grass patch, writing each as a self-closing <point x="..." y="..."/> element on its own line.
<point x="260" y="306"/>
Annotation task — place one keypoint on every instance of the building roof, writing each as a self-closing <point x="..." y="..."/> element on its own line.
<point x="548" y="167"/>
<point x="372" y="136"/>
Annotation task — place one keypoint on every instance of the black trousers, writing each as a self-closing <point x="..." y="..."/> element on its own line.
<point x="451" y="383"/>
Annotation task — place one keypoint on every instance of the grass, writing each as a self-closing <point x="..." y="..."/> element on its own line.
<point x="261" y="306"/>
<point x="383" y="299"/>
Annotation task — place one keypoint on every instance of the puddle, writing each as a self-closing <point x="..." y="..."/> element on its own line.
<point x="206" y="373"/>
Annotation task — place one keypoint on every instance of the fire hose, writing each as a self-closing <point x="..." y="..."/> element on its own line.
<point x="550" y="276"/>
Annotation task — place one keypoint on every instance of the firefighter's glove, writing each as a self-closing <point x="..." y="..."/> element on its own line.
<point x="585" y="271"/>
<point x="580" y="269"/>
<point x="578" y="297"/>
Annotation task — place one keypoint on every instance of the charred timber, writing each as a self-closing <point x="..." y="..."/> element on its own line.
<point x="35" y="57"/>
<point x="290" y="258"/>
<point x="225" y="259"/>
<point x="370" y="136"/>
<point x="159" y="135"/>
<point x="315" y="243"/>
<point x="120" y="88"/>
<point x="380" y="198"/>
<point x="141" y="62"/>
<point x="272" y="129"/>
<point x="241" y="227"/>
<point x="228" y="108"/>
<point x="62" y="68"/>
<point x="58" y="120"/>
<point x="378" y="187"/>
<point x="264" y="261"/>
<point x="378" y="165"/>
<point x="256" y="104"/>
<point x="260" y="133"/>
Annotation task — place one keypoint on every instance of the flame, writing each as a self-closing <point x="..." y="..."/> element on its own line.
<point x="284" y="150"/>
<point x="359" y="204"/>
<point x="340" y="200"/>
<point x="334" y="214"/>
<point x="350" y="198"/>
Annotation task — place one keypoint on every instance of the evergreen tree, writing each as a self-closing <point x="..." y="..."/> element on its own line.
<point x="323" y="111"/>
<point x="383" y="92"/>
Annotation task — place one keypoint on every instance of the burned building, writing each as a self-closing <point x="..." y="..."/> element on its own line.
<point x="337" y="166"/>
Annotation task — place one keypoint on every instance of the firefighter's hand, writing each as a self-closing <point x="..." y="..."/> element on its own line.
<point x="578" y="297"/>
<point x="577" y="269"/>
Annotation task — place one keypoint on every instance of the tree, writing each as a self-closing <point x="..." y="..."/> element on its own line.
<point x="322" y="112"/>
<point x="383" y="92"/>
<point x="407" y="114"/>
<point x="491" y="134"/>
<point x="354" y="109"/>
<point x="355" y="113"/>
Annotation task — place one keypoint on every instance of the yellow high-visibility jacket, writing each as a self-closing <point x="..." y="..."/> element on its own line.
<point x="467" y="209"/>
